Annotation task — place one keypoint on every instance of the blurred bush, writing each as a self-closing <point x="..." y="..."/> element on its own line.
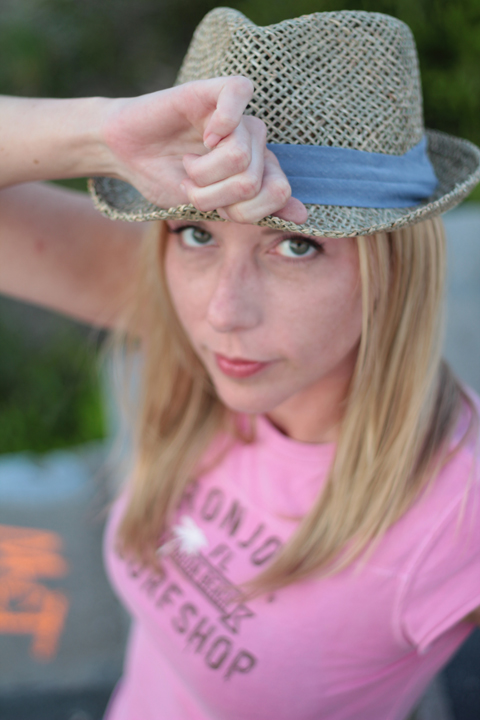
<point x="49" y="389"/>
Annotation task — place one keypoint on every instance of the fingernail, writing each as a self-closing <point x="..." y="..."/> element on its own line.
<point x="222" y="214"/>
<point x="211" y="141"/>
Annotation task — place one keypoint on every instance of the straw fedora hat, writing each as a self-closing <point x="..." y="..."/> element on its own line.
<point x="340" y="95"/>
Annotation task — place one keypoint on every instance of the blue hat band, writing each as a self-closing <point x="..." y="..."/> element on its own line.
<point x="324" y="175"/>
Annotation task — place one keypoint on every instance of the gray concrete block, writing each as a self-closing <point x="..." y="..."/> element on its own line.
<point x="61" y="627"/>
<point x="462" y="337"/>
<point x="435" y="704"/>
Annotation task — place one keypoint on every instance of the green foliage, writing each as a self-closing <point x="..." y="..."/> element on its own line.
<point x="475" y="195"/>
<point x="65" y="48"/>
<point x="49" y="393"/>
<point x="79" y="184"/>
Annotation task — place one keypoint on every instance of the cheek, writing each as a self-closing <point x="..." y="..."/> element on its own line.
<point x="326" y="326"/>
<point x="187" y="290"/>
<point x="341" y="323"/>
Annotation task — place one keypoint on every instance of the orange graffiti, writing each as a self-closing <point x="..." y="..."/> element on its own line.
<point x="27" y="606"/>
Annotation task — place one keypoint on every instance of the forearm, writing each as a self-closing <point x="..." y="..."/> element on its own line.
<point x="43" y="139"/>
<point x="56" y="250"/>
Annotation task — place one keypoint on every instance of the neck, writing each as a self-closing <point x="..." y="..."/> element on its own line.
<point x="314" y="415"/>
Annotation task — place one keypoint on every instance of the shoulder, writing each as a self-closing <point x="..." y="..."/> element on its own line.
<point x="441" y="584"/>
<point x="456" y="474"/>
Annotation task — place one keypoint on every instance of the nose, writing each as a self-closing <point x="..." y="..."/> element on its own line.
<point x="235" y="302"/>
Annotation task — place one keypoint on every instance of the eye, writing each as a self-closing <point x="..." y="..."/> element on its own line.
<point x="193" y="236"/>
<point x="298" y="247"/>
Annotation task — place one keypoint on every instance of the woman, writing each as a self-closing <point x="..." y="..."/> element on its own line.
<point x="300" y="535"/>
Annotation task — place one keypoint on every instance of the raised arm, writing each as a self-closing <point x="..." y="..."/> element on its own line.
<point x="42" y="139"/>
<point x="56" y="250"/>
<point x="190" y="143"/>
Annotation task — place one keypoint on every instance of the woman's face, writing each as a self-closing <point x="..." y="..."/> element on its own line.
<point x="274" y="317"/>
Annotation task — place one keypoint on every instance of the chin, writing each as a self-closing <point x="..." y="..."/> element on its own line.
<point x="249" y="400"/>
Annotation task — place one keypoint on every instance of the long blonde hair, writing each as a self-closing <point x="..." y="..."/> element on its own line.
<point x="401" y="408"/>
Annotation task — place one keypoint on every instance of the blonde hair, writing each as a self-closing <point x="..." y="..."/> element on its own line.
<point x="401" y="408"/>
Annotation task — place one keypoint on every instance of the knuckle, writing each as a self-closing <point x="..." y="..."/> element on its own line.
<point x="248" y="185"/>
<point x="195" y="174"/>
<point x="243" y="84"/>
<point x="257" y="125"/>
<point x="222" y="118"/>
<point x="280" y="190"/>
<point x="190" y="168"/>
<point x="239" y="157"/>
<point x="271" y="158"/>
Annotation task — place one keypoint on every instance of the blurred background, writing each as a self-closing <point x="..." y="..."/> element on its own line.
<point x="61" y="630"/>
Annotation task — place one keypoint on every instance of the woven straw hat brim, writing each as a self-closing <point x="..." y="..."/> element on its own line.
<point x="456" y="163"/>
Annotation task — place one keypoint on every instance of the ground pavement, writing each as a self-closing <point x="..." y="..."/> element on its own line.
<point x="62" y="631"/>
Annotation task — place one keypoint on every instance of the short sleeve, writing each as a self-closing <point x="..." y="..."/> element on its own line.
<point x="443" y="585"/>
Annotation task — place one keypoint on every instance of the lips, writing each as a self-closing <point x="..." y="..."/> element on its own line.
<point x="238" y="367"/>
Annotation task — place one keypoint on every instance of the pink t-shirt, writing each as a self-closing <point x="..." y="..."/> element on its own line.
<point x="360" y="645"/>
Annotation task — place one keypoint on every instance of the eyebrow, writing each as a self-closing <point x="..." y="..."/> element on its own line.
<point x="270" y="231"/>
<point x="273" y="231"/>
